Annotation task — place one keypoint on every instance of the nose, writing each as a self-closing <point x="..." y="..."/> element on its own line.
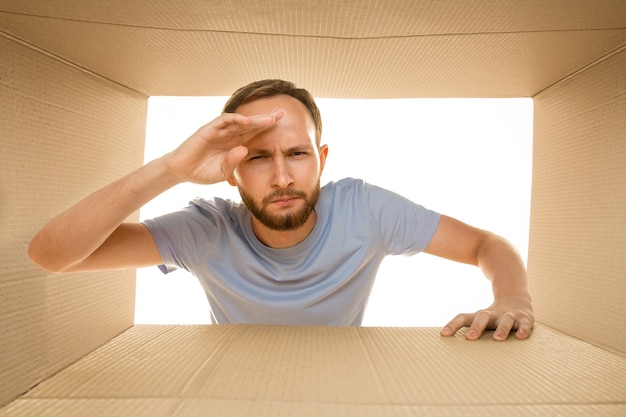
<point x="281" y="176"/>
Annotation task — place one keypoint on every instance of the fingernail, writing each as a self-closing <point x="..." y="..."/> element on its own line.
<point x="472" y="333"/>
<point x="446" y="331"/>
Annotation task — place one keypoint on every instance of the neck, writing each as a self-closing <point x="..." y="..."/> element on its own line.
<point x="283" y="239"/>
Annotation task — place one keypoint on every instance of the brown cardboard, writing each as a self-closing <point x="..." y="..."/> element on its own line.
<point x="577" y="245"/>
<point x="374" y="49"/>
<point x="289" y="370"/>
<point x="64" y="132"/>
<point x="74" y="81"/>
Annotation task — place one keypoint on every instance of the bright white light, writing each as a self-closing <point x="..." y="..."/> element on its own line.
<point x="467" y="158"/>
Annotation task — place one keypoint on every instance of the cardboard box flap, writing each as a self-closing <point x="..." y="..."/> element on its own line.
<point x="337" y="368"/>
<point x="200" y="407"/>
<point x="433" y="49"/>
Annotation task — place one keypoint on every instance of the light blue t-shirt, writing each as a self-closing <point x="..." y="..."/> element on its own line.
<point x="325" y="279"/>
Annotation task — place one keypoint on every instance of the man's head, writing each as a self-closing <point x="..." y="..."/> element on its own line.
<point x="270" y="88"/>
<point x="279" y="179"/>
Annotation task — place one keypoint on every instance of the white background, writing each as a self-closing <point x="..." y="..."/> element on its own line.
<point x="467" y="158"/>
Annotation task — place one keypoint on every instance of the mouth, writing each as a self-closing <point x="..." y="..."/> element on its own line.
<point x="284" y="199"/>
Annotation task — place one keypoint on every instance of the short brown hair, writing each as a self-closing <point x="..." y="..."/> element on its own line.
<point x="269" y="88"/>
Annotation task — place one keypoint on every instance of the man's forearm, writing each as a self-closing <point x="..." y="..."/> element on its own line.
<point x="78" y="231"/>
<point x="502" y="264"/>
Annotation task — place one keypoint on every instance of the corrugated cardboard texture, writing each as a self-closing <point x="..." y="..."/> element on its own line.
<point x="62" y="134"/>
<point x="225" y="370"/>
<point x="355" y="48"/>
<point x="577" y="255"/>
<point x="71" y="122"/>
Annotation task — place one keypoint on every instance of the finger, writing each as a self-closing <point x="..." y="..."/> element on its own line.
<point x="263" y="121"/>
<point x="277" y="113"/>
<point x="237" y="129"/>
<point x="232" y="159"/>
<point x="238" y="122"/>
<point x="230" y="125"/>
<point x="457" y="323"/>
<point x="507" y="322"/>
<point x="524" y="328"/>
<point x="478" y="326"/>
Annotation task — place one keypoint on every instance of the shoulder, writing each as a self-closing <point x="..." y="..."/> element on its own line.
<point x="357" y="199"/>
<point x="346" y="185"/>
<point x="217" y="210"/>
<point x="353" y="195"/>
<point x="200" y="212"/>
<point x="348" y="188"/>
<point x="214" y="205"/>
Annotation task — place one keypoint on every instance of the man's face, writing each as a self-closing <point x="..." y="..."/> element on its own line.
<point x="279" y="179"/>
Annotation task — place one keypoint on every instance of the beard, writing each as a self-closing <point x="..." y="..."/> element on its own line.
<point x="287" y="221"/>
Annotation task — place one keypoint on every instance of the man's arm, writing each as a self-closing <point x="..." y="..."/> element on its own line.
<point x="93" y="226"/>
<point x="502" y="265"/>
<point x="92" y="235"/>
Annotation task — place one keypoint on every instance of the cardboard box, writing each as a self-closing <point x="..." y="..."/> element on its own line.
<point x="74" y="81"/>
<point x="224" y="370"/>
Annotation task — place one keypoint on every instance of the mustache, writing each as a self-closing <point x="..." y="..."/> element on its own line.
<point x="278" y="194"/>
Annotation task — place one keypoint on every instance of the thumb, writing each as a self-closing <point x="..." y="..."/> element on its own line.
<point x="232" y="159"/>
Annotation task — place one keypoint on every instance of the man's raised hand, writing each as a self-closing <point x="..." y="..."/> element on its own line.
<point x="213" y="152"/>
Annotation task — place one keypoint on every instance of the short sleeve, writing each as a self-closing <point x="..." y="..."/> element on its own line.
<point x="405" y="227"/>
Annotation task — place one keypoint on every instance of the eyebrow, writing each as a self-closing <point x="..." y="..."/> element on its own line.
<point x="296" y="148"/>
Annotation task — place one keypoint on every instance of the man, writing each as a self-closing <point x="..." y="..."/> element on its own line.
<point x="292" y="253"/>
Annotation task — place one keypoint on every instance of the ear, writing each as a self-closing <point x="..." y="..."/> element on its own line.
<point x="231" y="180"/>
<point x="323" y="155"/>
